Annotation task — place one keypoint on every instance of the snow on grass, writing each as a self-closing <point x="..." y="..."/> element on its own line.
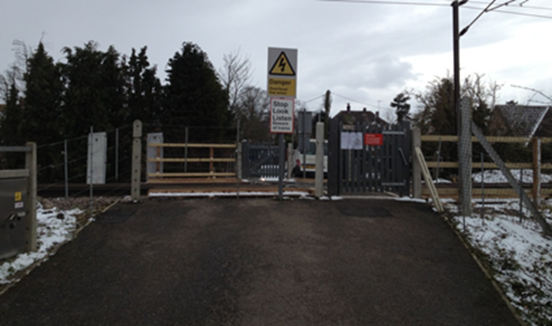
<point x="496" y="176"/>
<point x="54" y="227"/>
<point x="516" y="251"/>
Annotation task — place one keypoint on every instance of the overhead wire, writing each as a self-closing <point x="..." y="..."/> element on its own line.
<point x="433" y="4"/>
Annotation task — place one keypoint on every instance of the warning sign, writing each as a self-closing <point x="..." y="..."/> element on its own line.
<point x="281" y="87"/>
<point x="282" y="66"/>
<point x="282" y="72"/>
<point x="373" y="139"/>
<point x="282" y="115"/>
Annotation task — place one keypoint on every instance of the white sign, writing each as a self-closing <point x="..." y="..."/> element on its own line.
<point x="351" y="140"/>
<point x="282" y="115"/>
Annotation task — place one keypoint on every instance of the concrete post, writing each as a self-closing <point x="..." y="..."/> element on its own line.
<point x="136" y="159"/>
<point x="416" y="168"/>
<point x="319" y="176"/>
<point x="465" y="158"/>
<point x="30" y="162"/>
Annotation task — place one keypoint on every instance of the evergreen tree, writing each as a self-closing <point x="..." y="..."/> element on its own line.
<point x="42" y="109"/>
<point x="194" y="95"/>
<point x="94" y="94"/>
<point x="42" y="98"/>
<point x="10" y="124"/>
<point x="402" y="107"/>
<point x="144" y="91"/>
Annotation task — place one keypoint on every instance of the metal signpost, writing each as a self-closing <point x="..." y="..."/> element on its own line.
<point x="282" y="90"/>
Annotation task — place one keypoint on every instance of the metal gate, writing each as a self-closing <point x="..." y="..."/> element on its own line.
<point x="367" y="158"/>
<point x="260" y="160"/>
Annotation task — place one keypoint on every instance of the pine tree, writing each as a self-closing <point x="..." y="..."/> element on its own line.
<point x="94" y="90"/>
<point x="42" y="98"/>
<point x="402" y="107"/>
<point x="144" y="91"/>
<point x="194" y="95"/>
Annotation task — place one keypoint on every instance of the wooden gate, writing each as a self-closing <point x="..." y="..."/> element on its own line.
<point x="369" y="158"/>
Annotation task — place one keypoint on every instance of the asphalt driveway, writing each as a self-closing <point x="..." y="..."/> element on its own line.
<point x="259" y="262"/>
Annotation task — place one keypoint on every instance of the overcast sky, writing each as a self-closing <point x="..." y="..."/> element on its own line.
<point x="365" y="53"/>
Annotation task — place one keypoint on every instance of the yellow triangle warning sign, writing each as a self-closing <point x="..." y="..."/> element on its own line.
<point x="282" y="67"/>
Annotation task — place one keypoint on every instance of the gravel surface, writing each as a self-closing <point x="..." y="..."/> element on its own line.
<point x="259" y="262"/>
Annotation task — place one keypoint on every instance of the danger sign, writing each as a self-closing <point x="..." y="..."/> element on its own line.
<point x="373" y="139"/>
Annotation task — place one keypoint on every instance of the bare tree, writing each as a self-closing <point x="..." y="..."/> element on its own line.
<point x="234" y="75"/>
<point x="14" y="75"/>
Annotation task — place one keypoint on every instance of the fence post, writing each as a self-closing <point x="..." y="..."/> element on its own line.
<point x="416" y="167"/>
<point x="536" y="171"/>
<point x="465" y="159"/>
<point x="65" y="158"/>
<point x="91" y="164"/>
<point x="117" y="154"/>
<point x="245" y="159"/>
<point x="319" y="174"/>
<point x="333" y="159"/>
<point x="136" y="159"/>
<point x="30" y="162"/>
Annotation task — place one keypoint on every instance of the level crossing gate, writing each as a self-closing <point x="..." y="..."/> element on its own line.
<point x="369" y="158"/>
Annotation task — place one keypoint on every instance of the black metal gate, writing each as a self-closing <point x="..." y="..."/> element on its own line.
<point x="260" y="160"/>
<point x="367" y="158"/>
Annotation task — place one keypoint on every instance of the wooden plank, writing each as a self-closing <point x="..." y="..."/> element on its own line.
<point x="191" y="174"/>
<point x="191" y="180"/>
<point x="476" y="165"/>
<point x="192" y="145"/>
<point x="452" y="192"/>
<point x="429" y="180"/>
<point x="7" y="174"/>
<point x="192" y="160"/>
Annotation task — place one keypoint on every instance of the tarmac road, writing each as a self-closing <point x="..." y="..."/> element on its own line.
<point x="259" y="262"/>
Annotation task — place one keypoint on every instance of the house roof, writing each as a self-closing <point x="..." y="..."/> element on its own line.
<point x="350" y="117"/>
<point x="518" y="120"/>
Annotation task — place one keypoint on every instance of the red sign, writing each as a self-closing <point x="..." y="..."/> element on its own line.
<point x="373" y="139"/>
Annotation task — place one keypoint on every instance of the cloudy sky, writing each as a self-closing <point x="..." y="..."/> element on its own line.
<point x="365" y="52"/>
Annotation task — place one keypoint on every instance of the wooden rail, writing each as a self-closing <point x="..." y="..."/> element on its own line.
<point x="211" y="160"/>
<point x="536" y="165"/>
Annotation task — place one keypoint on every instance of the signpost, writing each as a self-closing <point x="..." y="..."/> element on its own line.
<point x="282" y="90"/>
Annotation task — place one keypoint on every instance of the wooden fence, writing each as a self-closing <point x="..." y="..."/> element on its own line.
<point x="536" y="165"/>
<point x="208" y="171"/>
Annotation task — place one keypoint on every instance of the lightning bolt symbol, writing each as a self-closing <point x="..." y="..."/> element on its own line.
<point x="282" y="64"/>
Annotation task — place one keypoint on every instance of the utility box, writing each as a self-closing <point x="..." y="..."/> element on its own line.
<point x="13" y="216"/>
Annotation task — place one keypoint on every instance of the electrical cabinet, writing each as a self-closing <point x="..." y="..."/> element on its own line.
<point x="13" y="216"/>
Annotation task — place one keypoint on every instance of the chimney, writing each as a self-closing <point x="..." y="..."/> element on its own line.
<point x="348" y="107"/>
<point x="363" y="109"/>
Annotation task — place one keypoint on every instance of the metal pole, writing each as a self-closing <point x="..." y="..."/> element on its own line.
<point x="186" y="152"/>
<point x="66" y="168"/>
<point x="456" y="98"/>
<point x="91" y="148"/>
<point x="305" y="144"/>
<point x="281" y="163"/>
<point x="117" y="154"/>
<point x="520" y="190"/>
<point x="482" y="187"/>
<point x="237" y="160"/>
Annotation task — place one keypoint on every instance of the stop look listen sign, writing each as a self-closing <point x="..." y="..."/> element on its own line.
<point x="282" y="115"/>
